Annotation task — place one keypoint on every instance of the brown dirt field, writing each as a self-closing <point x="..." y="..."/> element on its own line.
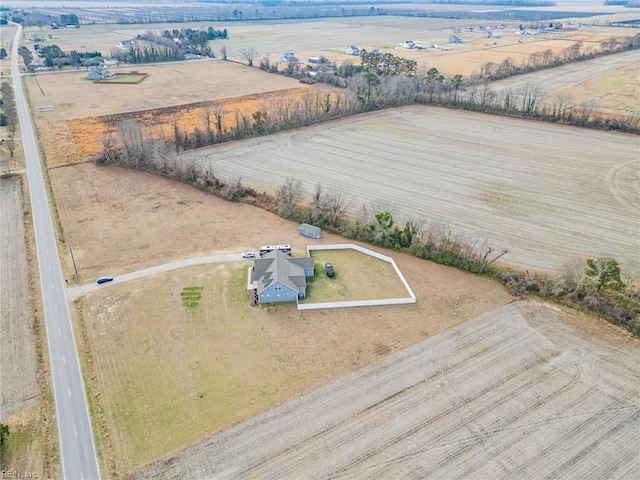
<point x="77" y="140"/>
<point x="572" y="196"/>
<point x="611" y="84"/>
<point x="21" y="400"/>
<point x="19" y="365"/>
<point x="518" y="392"/>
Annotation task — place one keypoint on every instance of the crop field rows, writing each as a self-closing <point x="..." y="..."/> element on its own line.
<point x="547" y="193"/>
<point x="18" y="367"/>
<point x="492" y="398"/>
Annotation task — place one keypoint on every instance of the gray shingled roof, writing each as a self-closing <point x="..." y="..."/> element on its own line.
<point x="278" y="266"/>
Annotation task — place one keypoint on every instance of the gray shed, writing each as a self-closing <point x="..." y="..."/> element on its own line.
<point x="310" y="230"/>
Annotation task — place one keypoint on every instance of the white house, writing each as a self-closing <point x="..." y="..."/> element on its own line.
<point x="352" y="50"/>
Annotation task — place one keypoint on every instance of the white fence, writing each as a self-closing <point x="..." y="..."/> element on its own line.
<point x="360" y="303"/>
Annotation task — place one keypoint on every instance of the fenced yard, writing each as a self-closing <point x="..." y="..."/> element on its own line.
<point x="124" y="78"/>
<point x="362" y="277"/>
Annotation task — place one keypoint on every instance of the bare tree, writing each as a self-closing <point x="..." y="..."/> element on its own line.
<point x="288" y="197"/>
<point x="218" y="114"/>
<point x="10" y="143"/>
<point x="531" y="96"/>
<point x="207" y="116"/>
<point x="337" y="204"/>
<point x="249" y="54"/>
<point x="223" y="52"/>
<point x="135" y="147"/>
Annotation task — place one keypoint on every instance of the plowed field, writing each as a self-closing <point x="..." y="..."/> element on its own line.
<point x="514" y="393"/>
<point x="547" y="193"/>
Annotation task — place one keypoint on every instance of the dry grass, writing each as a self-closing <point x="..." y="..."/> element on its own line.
<point x="79" y="139"/>
<point x="169" y="375"/>
<point x="167" y="85"/>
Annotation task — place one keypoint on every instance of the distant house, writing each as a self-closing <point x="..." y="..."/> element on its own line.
<point x="352" y="50"/>
<point x="377" y="51"/>
<point x="288" y="56"/>
<point x="126" y="44"/>
<point x="277" y="277"/>
<point x="191" y="56"/>
<point x="408" y="44"/>
<point x="455" y="39"/>
<point x="110" y="62"/>
<point x="99" y="73"/>
<point x="38" y="67"/>
<point x="92" y="62"/>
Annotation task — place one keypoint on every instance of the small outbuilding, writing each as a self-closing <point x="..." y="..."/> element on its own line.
<point x="310" y="230"/>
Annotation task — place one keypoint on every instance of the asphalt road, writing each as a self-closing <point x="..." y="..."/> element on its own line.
<point x="77" y="448"/>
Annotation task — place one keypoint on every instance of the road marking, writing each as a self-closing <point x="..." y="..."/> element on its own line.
<point x="64" y="359"/>
<point x="81" y="476"/>
<point x="75" y="431"/>
<point x="69" y="390"/>
<point x="49" y="267"/>
<point x="52" y="286"/>
<point x="59" y="332"/>
<point x="55" y="305"/>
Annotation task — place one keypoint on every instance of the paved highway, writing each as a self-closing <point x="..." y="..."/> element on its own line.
<point x="77" y="447"/>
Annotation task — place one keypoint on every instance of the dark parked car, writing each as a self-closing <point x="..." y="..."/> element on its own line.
<point x="329" y="269"/>
<point x="104" y="280"/>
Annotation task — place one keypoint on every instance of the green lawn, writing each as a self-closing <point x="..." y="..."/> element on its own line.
<point x="358" y="277"/>
<point x="126" y="78"/>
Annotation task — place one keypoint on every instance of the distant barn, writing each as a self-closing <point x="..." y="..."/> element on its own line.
<point x="310" y="230"/>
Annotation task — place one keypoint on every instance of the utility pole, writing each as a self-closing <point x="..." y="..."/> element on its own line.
<point x="75" y="268"/>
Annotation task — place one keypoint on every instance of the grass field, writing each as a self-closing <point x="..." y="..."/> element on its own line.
<point x="206" y="368"/>
<point x="358" y="277"/>
<point x="168" y="373"/>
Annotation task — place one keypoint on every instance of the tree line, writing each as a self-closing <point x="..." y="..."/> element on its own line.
<point x="8" y="118"/>
<point x="598" y="287"/>
<point x="171" y="45"/>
